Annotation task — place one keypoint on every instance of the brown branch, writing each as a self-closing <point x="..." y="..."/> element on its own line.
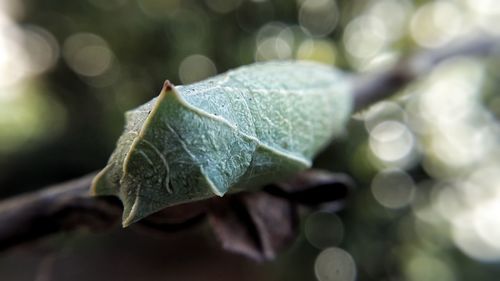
<point x="53" y="209"/>
<point x="68" y="206"/>
<point x="372" y="88"/>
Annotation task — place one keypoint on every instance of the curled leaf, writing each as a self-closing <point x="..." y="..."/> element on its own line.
<point x="256" y="225"/>
<point x="236" y="131"/>
<point x="261" y="224"/>
<point x="314" y="188"/>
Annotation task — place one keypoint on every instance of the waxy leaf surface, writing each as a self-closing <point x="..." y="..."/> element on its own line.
<point x="236" y="131"/>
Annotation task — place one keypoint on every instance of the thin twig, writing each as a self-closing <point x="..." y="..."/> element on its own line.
<point x="69" y="205"/>
<point x="372" y="88"/>
<point x="53" y="209"/>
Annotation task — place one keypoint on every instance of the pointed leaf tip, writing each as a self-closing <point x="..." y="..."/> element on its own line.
<point x="167" y="85"/>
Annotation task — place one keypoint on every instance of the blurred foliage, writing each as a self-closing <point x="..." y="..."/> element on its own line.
<point x="426" y="163"/>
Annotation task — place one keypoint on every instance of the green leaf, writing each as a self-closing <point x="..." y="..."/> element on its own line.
<point x="236" y="131"/>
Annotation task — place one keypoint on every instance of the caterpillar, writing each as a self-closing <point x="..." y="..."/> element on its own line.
<point x="236" y="131"/>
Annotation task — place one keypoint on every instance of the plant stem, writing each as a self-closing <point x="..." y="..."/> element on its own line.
<point x="53" y="209"/>
<point x="371" y="88"/>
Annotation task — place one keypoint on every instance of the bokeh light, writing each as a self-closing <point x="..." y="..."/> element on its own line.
<point x="437" y="23"/>
<point x="318" y="17"/>
<point x="485" y="13"/>
<point x="425" y="267"/>
<point x="391" y="141"/>
<point x="42" y="49"/>
<point x="393" y="188"/>
<point x="394" y="15"/>
<point x="460" y="141"/>
<point x="27" y="113"/>
<point x="195" y="68"/>
<point x="335" y="264"/>
<point x="275" y="41"/>
<point x="324" y="230"/>
<point x="87" y="54"/>
<point x="365" y="37"/>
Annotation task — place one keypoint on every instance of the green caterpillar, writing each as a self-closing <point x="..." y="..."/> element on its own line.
<point x="236" y="131"/>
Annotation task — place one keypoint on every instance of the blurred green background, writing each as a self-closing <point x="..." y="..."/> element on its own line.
<point x="427" y="162"/>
